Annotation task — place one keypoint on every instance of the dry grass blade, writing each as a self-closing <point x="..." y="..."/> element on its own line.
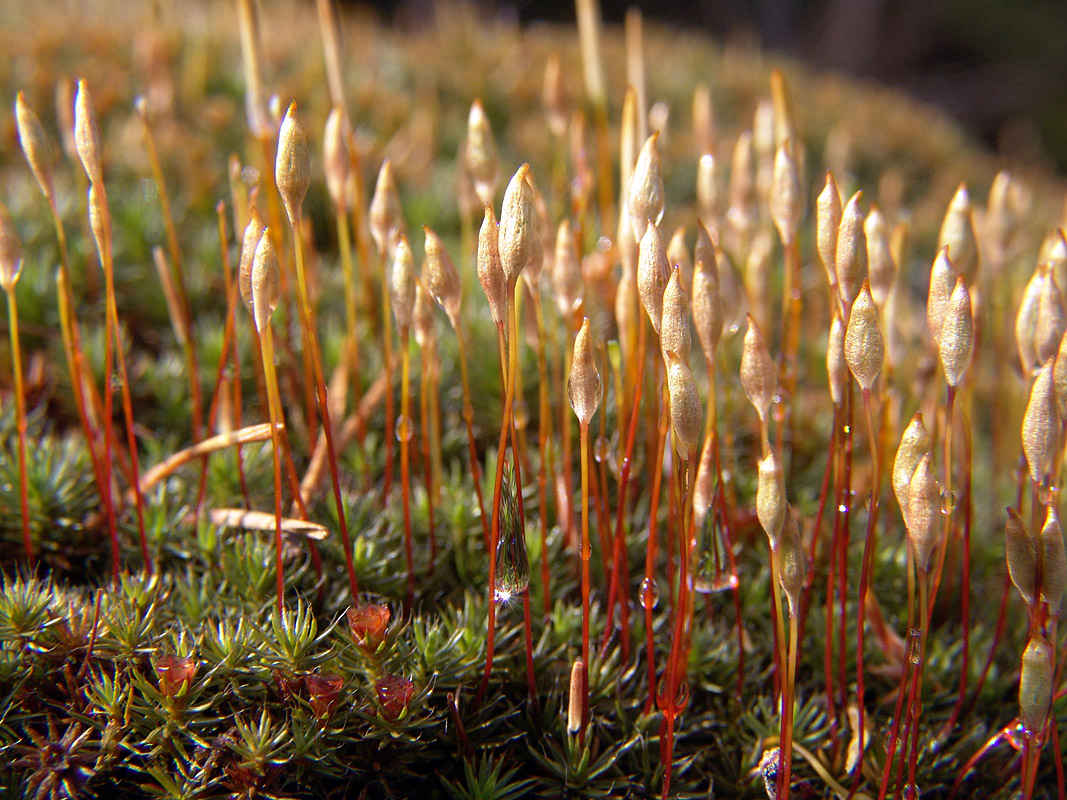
<point x="166" y="468"/>
<point x="264" y="521"/>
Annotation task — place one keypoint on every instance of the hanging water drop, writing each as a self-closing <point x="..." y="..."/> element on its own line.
<point x="948" y="502"/>
<point x="649" y="595"/>
<point x="600" y="449"/>
<point x="706" y="572"/>
<point x="520" y="413"/>
<point x="1016" y="736"/>
<point x="614" y="458"/>
<point x="405" y="428"/>
<point x="915" y="646"/>
<point x="727" y="582"/>
<point x="681" y="695"/>
<point x="512" y="561"/>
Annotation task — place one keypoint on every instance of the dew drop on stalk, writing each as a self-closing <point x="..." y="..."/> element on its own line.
<point x="614" y="456"/>
<point x="1015" y="735"/>
<point x="948" y="502"/>
<point x="709" y="583"/>
<point x="600" y="449"/>
<point x="649" y="595"/>
<point x="915" y="646"/>
<point x="681" y="694"/>
<point x="520" y="413"/>
<point x="512" y="561"/>
<point x="404" y="427"/>
<point x="706" y="572"/>
<point x="727" y="582"/>
<point x="897" y="747"/>
<point x="712" y="576"/>
<point x="512" y="566"/>
<point x="911" y="792"/>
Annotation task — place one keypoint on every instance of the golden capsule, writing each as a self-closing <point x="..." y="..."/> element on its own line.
<point x="292" y="167"/>
<point x="770" y="497"/>
<point x="914" y="444"/>
<point x="864" y="346"/>
<point x="583" y="384"/>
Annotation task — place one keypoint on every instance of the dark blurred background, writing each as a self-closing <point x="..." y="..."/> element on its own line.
<point x="997" y="66"/>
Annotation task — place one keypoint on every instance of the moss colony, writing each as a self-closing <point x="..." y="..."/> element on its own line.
<point x="730" y="469"/>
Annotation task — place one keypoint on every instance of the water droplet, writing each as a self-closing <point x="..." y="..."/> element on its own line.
<point x="405" y="428"/>
<point x="521" y="413"/>
<point x="725" y="582"/>
<point x="613" y="457"/>
<point x="842" y="509"/>
<point x="948" y="502"/>
<point x="681" y="694"/>
<point x="1016" y="736"/>
<point x="867" y="501"/>
<point x="512" y="561"/>
<point x="734" y="328"/>
<point x="711" y="575"/>
<point x="885" y="741"/>
<point x="915" y="646"/>
<point x="911" y="792"/>
<point x="649" y="595"/>
<point x="847" y="429"/>
<point x="600" y="449"/>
